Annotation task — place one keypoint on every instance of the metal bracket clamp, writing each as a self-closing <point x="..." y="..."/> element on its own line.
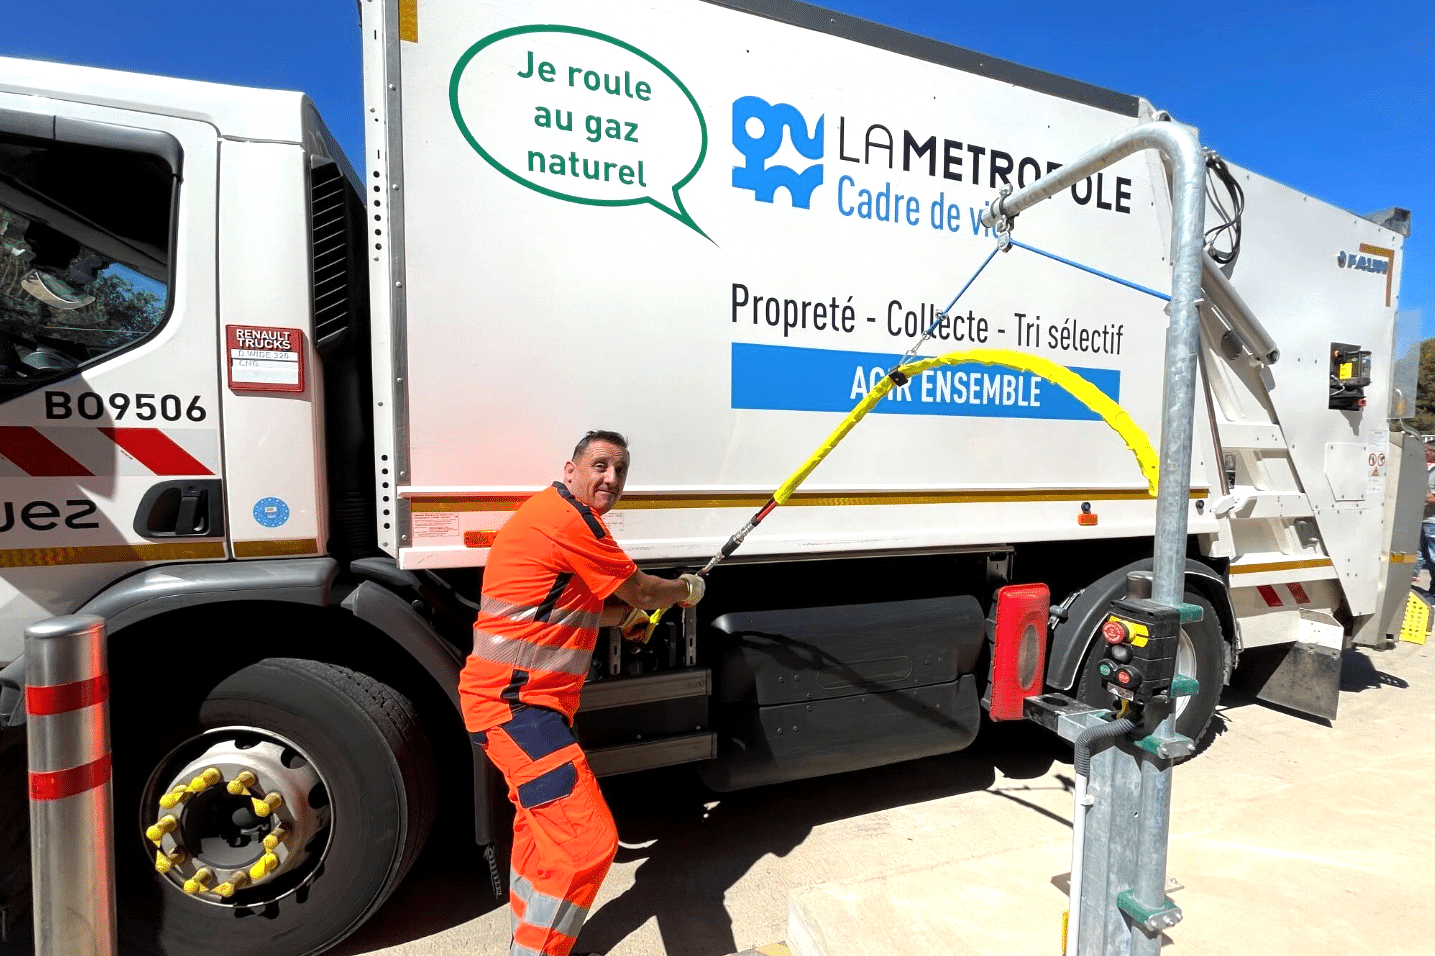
<point x="1153" y="919"/>
<point x="1003" y="223"/>
<point x="1173" y="747"/>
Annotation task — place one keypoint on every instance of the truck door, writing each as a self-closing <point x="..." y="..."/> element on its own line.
<point x="109" y="431"/>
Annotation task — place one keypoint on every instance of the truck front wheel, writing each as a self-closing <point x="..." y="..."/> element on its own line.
<point x="277" y="819"/>
<point x="1201" y="653"/>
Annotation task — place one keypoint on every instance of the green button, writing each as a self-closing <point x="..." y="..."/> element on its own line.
<point x="1106" y="668"/>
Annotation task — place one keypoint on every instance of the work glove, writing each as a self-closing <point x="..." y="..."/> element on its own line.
<point x="696" y="588"/>
<point x="635" y="625"/>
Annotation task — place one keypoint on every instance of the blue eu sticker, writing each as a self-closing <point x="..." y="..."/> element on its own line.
<point x="271" y="512"/>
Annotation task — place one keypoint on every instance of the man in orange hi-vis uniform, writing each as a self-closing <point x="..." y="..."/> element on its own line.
<point x="553" y="566"/>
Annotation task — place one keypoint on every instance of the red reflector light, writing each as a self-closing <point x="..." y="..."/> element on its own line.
<point x="1269" y="595"/>
<point x="1115" y="632"/>
<point x="1019" y="652"/>
<point x="1086" y="520"/>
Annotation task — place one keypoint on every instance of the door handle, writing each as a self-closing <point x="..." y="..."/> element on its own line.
<point x="192" y="508"/>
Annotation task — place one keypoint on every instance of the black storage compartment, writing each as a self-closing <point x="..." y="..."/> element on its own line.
<point x="804" y="692"/>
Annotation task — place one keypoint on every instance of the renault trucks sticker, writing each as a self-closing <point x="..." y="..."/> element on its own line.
<point x="264" y="359"/>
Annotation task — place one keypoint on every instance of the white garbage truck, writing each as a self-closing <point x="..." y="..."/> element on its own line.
<point x="264" y="411"/>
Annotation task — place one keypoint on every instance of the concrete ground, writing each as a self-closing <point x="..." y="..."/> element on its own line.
<point x="1288" y="835"/>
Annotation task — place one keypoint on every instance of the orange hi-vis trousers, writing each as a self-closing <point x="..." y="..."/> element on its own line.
<point x="564" y="838"/>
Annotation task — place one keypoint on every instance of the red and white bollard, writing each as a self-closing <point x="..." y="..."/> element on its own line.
<point x="68" y="730"/>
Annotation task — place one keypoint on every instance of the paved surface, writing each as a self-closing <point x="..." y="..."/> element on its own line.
<point x="1288" y="834"/>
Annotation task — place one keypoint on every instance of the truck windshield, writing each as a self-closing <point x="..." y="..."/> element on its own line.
<point x="84" y="255"/>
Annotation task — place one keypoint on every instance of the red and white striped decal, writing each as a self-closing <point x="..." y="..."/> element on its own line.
<point x="81" y="452"/>
<point x="59" y="784"/>
<point x="36" y="455"/>
<point x="49" y="700"/>
<point x="1271" y="594"/>
<point x="46" y="701"/>
<point x="156" y="451"/>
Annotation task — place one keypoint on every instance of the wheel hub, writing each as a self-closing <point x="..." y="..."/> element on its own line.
<point x="240" y="822"/>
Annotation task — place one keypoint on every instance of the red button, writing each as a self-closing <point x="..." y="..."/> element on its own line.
<point x="1114" y="631"/>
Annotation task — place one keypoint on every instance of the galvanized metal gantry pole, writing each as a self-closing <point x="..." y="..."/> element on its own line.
<point x="1182" y="150"/>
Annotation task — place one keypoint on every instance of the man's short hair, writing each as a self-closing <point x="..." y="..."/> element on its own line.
<point x="612" y="438"/>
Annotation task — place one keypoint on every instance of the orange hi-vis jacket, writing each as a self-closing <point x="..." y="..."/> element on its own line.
<point x="551" y="567"/>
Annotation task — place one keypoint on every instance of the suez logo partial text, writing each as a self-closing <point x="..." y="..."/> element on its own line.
<point x="41" y="515"/>
<point x="758" y="129"/>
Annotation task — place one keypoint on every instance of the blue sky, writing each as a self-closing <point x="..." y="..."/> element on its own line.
<point x="1334" y="99"/>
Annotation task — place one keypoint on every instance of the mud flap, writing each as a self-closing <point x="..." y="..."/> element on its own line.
<point x="1299" y="676"/>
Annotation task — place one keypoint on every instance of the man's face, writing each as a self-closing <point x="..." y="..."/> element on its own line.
<point x="598" y="476"/>
<point x="1430" y="454"/>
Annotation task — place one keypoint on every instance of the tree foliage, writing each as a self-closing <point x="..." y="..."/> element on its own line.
<point x="1424" y="420"/>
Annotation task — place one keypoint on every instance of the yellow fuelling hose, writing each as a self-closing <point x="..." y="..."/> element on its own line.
<point x="1080" y="389"/>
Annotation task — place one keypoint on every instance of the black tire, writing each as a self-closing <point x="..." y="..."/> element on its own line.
<point x="14" y="831"/>
<point x="364" y="740"/>
<point x="1206" y="648"/>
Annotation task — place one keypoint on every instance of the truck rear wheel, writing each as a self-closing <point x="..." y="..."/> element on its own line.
<point x="1202" y="653"/>
<point x="278" y="820"/>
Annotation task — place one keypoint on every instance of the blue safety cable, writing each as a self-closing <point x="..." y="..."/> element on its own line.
<point x="1041" y="252"/>
<point x="1096" y="272"/>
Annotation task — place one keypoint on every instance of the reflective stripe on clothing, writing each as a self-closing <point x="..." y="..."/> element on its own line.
<point x="544" y="911"/>
<point x="549" y="571"/>
<point x="515" y="652"/>
<point x="518" y="613"/>
<point x="564" y="838"/>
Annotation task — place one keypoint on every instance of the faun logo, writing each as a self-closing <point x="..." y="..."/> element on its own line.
<point x="1376" y="259"/>
<point x="757" y="127"/>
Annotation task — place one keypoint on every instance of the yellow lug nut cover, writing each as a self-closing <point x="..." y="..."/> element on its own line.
<point x="278" y="836"/>
<point x="174" y="798"/>
<point x="162" y="863"/>
<point x="242" y="782"/>
<point x="238" y="880"/>
<point x="205" y="780"/>
<point x="165" y="824"/>
<point x="200" y="881"/>
<point x="271" y="802"/>
<point x="265" y="865"/>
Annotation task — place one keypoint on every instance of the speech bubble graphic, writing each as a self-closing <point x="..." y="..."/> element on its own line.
<point x="580" y="116"/>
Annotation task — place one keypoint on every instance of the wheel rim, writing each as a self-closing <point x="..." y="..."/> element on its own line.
<point x="1185" y="667"/>
<point x="236" y="817"/>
